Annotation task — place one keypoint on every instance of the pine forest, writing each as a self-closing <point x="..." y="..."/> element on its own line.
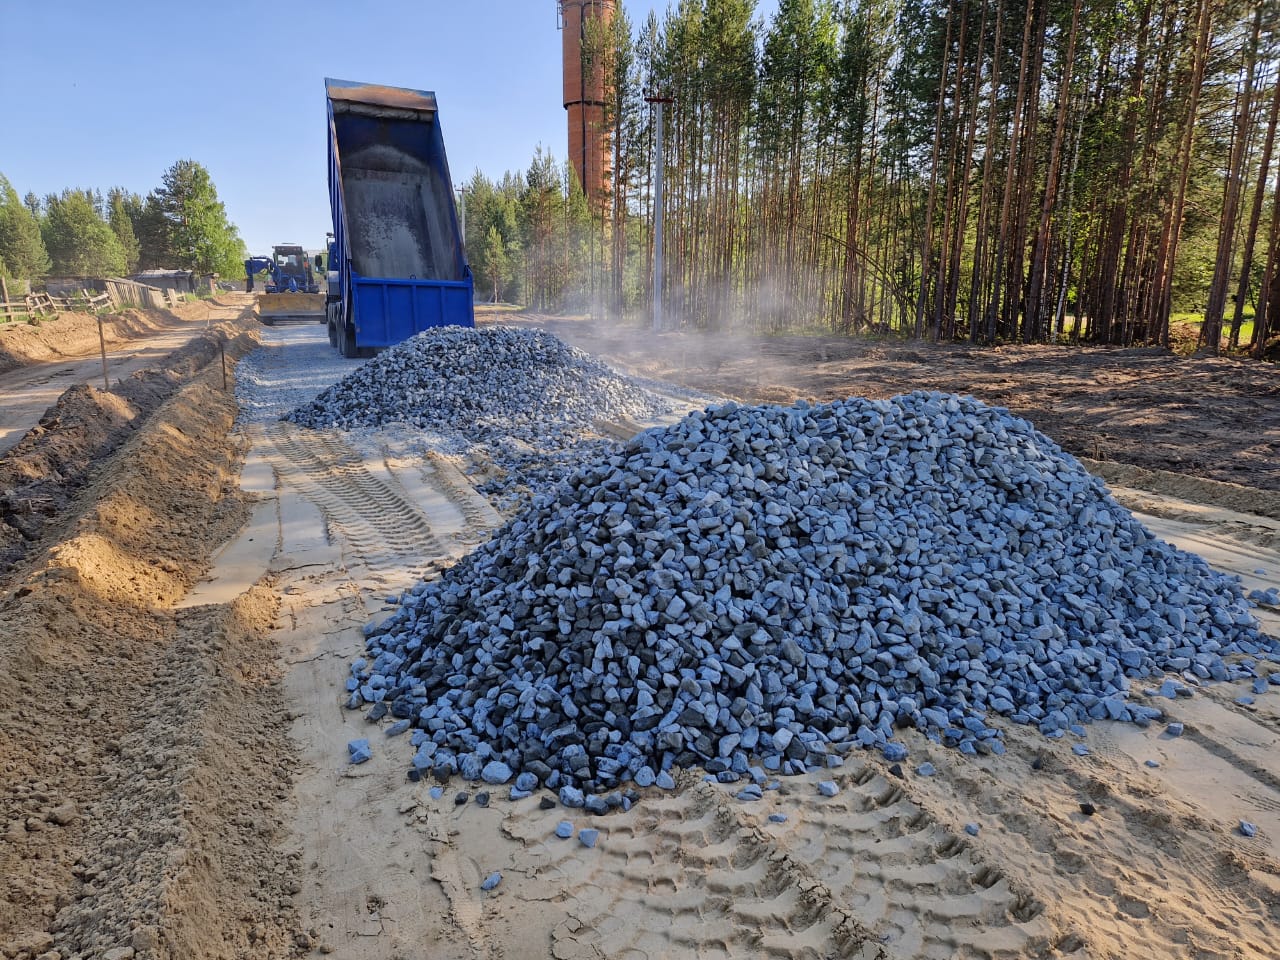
<point x="988" y="171"/>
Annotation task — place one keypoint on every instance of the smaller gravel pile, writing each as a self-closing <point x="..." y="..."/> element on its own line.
<point x="774" y="586"/>
<point x="484" y="384"/>
<point x="529" y="472"/>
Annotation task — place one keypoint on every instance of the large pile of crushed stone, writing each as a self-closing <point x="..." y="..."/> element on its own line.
<point x="489" y="383"/>
<point x="768" y="584"/>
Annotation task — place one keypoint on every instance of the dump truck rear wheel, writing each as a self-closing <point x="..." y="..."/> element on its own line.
<point x="347" y="343"/>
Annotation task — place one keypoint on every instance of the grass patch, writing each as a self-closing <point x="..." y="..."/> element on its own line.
<point x="1194" y="321"/>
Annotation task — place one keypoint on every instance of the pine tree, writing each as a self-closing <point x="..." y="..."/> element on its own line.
<point x="121" y="222"/>
<point x="490" y="215"/>
<point x="22" y="248"/>
<point x="154" y="233"/>
<point x="1211" y="329"/>
<point x="495" y="264"/>
<point x="1251" y="237"/>
<point x="202" y="237"/>
<point x="80" y="242"/>
<point x="541" y="204"/>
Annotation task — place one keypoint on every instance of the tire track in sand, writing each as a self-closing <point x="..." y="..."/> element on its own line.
<point x="867" y="874"/>
<point x="459" y="882"/>
<point x="387" y="533"/>
<point x="478" y="513"/>
<point x="679" y="876"/>
<point x="916" y="886"/>
<point x="1173" y="873"/>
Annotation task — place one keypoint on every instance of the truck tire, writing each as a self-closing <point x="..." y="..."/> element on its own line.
<point x="333" y="333"/>
<point x="347" y="342"/>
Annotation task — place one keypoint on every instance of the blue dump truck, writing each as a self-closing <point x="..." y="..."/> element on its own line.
<point x="396" y="262"/>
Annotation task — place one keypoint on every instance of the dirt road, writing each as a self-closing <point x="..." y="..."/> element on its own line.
<point x="174" y="778"/>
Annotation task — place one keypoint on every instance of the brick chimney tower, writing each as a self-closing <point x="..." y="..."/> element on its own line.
<point x="584" y="97"/>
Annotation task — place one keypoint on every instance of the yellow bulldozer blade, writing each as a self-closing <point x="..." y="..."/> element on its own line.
<point x="278" y="307"/>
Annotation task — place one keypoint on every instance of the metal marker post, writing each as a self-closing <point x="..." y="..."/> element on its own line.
<point x="658" y="102"/>
<point x="102" y="343"/>
<point x="222" y="351"/>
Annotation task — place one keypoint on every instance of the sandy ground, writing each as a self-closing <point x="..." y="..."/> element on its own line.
<point x="197" y="732"/>
<point x="883" y="869"/>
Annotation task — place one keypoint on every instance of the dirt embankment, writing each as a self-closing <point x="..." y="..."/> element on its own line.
<point x="1212" y="418"/>
<point x="76" y="334"/>
<point x="140" y="763"/>
<point x="42" y="473"/>
<point x="1230" y="496"/>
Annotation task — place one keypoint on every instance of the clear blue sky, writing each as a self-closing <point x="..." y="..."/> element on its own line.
<point x="100" y="93"/>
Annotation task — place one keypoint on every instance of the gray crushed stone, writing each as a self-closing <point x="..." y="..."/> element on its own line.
<point x="761" y="589"/>
<point x="491" y="383"/>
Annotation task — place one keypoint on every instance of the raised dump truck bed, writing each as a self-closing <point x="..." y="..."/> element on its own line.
<point x="397" y="264"/>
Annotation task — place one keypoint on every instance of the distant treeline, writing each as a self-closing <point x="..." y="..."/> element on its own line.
<point x="81" y="233"/>
<point x="989" y="170"/>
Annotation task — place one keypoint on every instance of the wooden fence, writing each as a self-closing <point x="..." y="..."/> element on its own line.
<point x="129" y="293"/>
<point x="44" y="305"/>
<point x="118" y="293"/>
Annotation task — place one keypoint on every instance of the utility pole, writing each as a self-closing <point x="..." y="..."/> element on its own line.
<point x="462" y="215"/>
<point x="658" y="102"/>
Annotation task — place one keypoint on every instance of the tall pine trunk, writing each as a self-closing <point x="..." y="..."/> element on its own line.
<point x="1268" y="316"/>
<point x="927" y="238"/>
<point x="1167" y="256"/>
<point x="1211" y="329"/>
<point x="1004" y="238"/>
<point x="1255" y="214"/>
<point x="1040" y="249"/>
<point x="976" y="280"/>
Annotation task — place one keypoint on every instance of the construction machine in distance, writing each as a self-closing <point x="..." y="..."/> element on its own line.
<point x="292" y="292"/>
